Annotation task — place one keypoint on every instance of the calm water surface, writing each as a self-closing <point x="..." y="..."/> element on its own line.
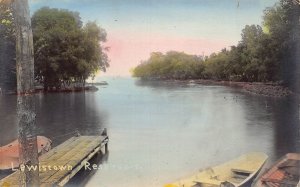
<point x="162" y="131"/>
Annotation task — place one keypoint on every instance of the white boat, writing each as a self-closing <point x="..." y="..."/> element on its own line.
<point x="236" y="173"/>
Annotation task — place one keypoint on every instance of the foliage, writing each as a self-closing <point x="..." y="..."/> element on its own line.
<point x="172" y="65"/>
<point x="265" y="53"/>
<point x="283" y="25"/>
<point x="7" y="48"/>
<point x="65" y="51"/>
<point x="6" y="21"/>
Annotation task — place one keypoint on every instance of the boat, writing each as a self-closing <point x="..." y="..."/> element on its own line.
<point x="239" y="172"/>
<point x="285" y="172"/>
<point x="9" y="154"/>
<point x="102" y="83"/>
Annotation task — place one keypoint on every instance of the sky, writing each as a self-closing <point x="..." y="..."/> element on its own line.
<point x="135" y="28"/>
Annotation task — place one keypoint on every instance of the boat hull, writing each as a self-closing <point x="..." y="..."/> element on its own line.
<point x="9" y="154"/>
<point x="239" y="172"/>
<point x="285" y="172"/>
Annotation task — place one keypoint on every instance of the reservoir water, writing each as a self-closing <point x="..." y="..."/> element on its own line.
<point x="163" y="131"/>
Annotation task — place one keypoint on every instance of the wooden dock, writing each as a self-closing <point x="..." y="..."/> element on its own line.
<point x="61" y="163"/>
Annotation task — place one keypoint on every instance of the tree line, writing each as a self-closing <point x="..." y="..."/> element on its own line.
<point x="267" y="52"/>
<point x="66" y="51"/>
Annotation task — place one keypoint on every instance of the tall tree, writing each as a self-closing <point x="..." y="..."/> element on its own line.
<point x="65" y="50"/>
<point x="25" y="87"/>
<point x="281" y="23"/>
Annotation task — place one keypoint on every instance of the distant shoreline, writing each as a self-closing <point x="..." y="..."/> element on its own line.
<point x="40" y="89"/>
<point x="67" y="90"/>
<point x="269" y="89"/>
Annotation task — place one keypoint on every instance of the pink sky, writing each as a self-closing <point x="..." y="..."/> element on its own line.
<point x="138" y="27"/>
<point x="127" y="49"/>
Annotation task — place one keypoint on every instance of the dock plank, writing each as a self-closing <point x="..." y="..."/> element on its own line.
<point x="65" y="161"/>
<point x="72" y="158"/>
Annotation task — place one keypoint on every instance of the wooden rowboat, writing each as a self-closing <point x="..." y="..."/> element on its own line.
<point x="284" y="173"/>
<point x="236" y="173"/>
<point x="9" y="154"/>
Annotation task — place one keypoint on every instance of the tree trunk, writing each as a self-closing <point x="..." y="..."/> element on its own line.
<point x="25" y="87"/>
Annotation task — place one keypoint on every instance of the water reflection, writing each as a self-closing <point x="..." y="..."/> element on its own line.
<point x="275" y="120"/>
<point x="171" y="130"/>
<point x="278" y="121"/>
<point x="62" y="114"/>
<point x="8" y="107"/>
<point x="57" y="115"/>
<point x="162" y="131"/>
<point x="287" y="125"/>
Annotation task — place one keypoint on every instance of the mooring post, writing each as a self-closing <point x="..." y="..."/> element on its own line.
<point x="104" y="133"/>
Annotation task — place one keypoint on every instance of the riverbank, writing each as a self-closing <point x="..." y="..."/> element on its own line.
<point x="40" y="89"/>
<point x="269" y="89"/>
<point x="66" y="90"/>
<point x="266" y="89"/>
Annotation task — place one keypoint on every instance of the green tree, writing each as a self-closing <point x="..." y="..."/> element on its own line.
<point x="7" y="48"/>
<point x="253" y="59"/>
<point x="270" y="52"/>
<point x="281" y="23"/>
<point x="6" y="21"/>
<point x="66" y="51"/>
<point x="172" y="65"/>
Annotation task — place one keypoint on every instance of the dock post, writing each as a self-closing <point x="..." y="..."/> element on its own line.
<point x="104" y="133"/>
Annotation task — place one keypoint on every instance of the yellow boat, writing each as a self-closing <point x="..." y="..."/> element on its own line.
<point x="236" y="173"/>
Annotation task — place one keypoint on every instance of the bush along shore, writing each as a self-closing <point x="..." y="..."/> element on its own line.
<point x="269" y="89"/>
<point x="265" y="61"/>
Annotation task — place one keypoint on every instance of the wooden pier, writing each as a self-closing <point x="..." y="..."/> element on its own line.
<point x="61" y="163"/>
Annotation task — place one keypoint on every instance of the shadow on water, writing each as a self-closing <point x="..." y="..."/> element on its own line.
<point x="4" y="173"/>
<point x="164" y="84"/>
<point x="86" y="173"/>
<point x="276" y="120"/>
<point x="60" y="116"/>
<point x="287" y="125"/>
<point x="8" y="107"/>
<point x="147" y="118"/>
